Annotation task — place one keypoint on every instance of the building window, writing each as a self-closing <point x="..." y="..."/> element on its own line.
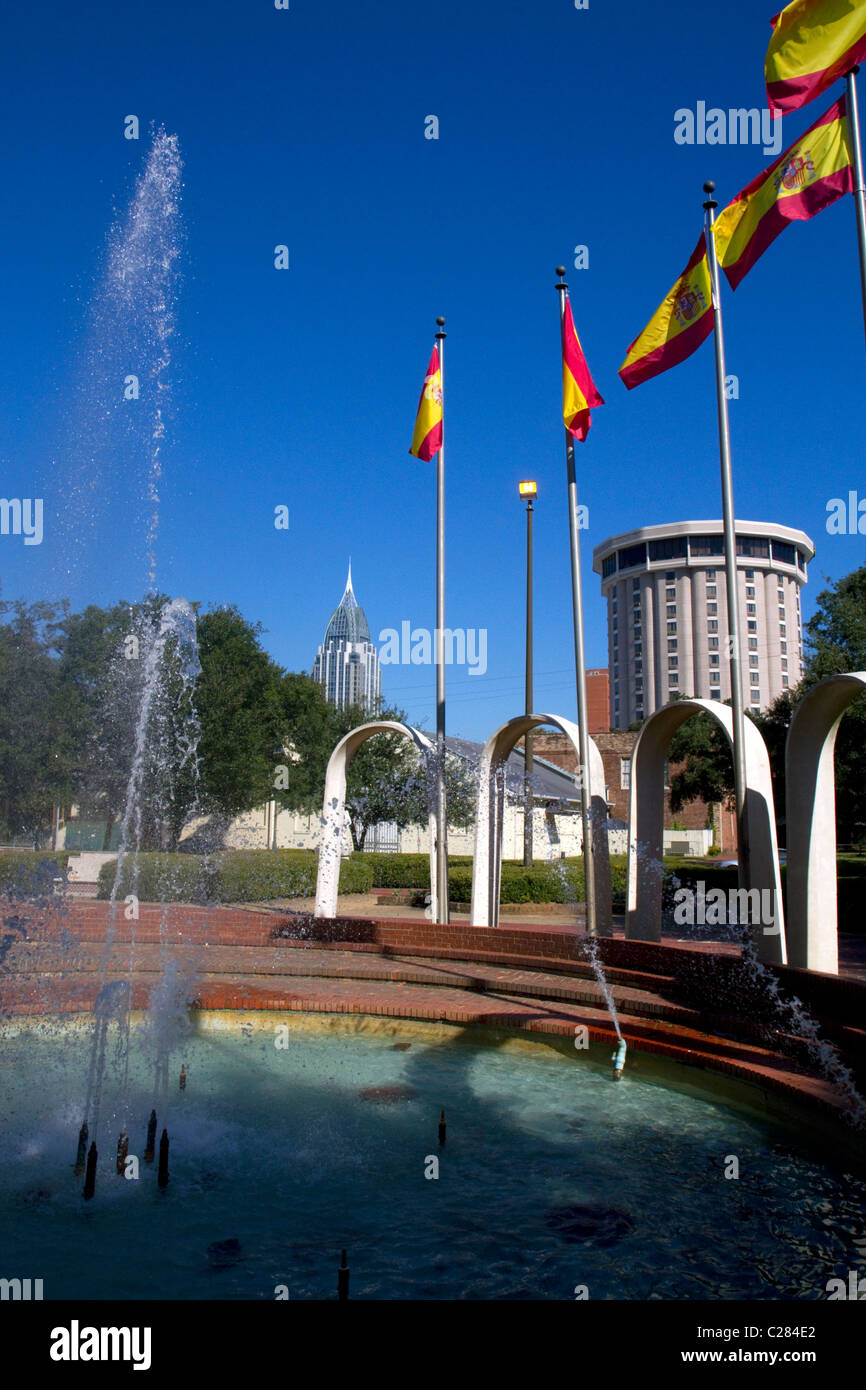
<point x="715" y="694"/>
<point x="672" y="644"/>
<point x="784" y="663"/>
<point x="672" y="610"/>
<point x="625" y="773"/>
<point x="785" y="680"/>
<point x="753" y="643"/>
<point x="751" y="608"/>
<point x="638" y="648"/>
<point x="638" y="666"/>
<point x="616" y="705"/>
<point x="635" y="583"/>
<point x="673" y="682"/>
<point x="616" y="687"/>
<point x="784" y="646"/>
<point x="715" y="678"/>
<point x="673" y="663"/>
<point x="670" y="574"/>
<point x="752" y="625"/>
<point x="750" y="574"/>
<point x="638" y="684"/>
<point x="750" y="591"/>
<point x="712" y="608"/>
<point x="713" y="625"/>
<point x="672" y="627"/>
<point x="711" y="574"/>
<point x="711" y="591"/>
<point x="614" y="625"/>
<point x="714" y="658"/>
<point x="756" y="695"/>
<point x="713" y="642"/>
<point x="754" y="659"/>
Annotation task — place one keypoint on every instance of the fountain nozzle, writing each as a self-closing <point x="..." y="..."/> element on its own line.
<point x="81" y="1155"/>
<point x="618" y="1058"/>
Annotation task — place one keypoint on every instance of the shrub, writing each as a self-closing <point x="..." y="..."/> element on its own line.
<point x="31" y="873"/>
<point x="231" y="876"/>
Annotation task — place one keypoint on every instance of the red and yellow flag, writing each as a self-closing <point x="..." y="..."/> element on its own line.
<point x="814" y="42"/>
<point x="427" y="439"/>
<point x="807" y="178"/>
<point x="578" y="388"/>
<point x="678" y="327"/>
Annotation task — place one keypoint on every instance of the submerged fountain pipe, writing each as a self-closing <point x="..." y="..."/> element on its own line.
<point x="343" y="1280"/>
<point x="618" y="1058"/>
<point x="81" y="1155"/>
<point x="162" y="1172"/>
<point x="150" y="1146"/>
<point x="90" y="1175"/>
<point x="122" y="1151"/>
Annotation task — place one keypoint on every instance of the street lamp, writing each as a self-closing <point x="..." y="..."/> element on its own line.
<point x="529" y="490"/>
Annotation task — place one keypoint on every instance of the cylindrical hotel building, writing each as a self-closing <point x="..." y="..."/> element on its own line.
<point x="667" y="613"/>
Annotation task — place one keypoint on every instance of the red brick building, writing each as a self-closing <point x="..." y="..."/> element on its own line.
<point x="616" y="747"/>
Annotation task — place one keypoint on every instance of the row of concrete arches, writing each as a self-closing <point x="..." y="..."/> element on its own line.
<point x="809" y="936"/>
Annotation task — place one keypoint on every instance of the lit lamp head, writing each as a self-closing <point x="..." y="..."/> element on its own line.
<point x="528" y="490"/>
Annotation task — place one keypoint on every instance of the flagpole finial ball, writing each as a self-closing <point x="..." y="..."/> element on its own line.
<point x="441" y="322"/>
<point x="709" y="186"/>
<point x="560" y="270"/>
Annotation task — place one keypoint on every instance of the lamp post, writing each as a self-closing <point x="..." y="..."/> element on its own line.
<point x="529" y="490"/>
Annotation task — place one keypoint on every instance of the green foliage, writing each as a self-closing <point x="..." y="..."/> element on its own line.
<point x="31" y="874"/>
<point x="707" y="773"/>
<point x="37" y="719"/>
<point x="405" y="870"/>
<point x="239" y="704"/>
<point x="231" y="876"/>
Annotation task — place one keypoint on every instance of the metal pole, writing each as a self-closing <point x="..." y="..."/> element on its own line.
<point x="439" y="655"/>
<point x="859" y="188"/>
<point x="529" y="763"/>
<point x="734" y="647"/>
<point x="579" y="660"/>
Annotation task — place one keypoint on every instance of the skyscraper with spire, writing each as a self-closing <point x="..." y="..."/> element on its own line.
<point x="347" y="663"/>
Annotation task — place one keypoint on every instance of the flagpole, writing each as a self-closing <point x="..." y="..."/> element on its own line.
<point x="859" y="188"/>
<point x="734" y="648"/>
<point x="439" y="655"/>
<point x="579" y="658"/>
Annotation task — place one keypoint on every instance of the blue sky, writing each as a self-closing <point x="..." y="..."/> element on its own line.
<point x="306" y="127"/>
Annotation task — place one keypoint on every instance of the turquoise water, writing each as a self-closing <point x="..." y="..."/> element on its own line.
<point x="553" y="1176"/>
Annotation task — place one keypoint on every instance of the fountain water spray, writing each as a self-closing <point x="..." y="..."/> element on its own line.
<point x="120" y="400"/>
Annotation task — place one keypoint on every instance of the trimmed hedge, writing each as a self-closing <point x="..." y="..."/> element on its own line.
<point x="31" y="873"/>
<point x="404" y="870"/>
<point x="231" y="876"/>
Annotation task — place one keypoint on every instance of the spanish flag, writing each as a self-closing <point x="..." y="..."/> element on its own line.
<point x="814" y="42"/>
<point x="807" y="178"/>
<point x="678" y="327"/>
<point x="578" y="387"/>
<point x="427" y="439"/>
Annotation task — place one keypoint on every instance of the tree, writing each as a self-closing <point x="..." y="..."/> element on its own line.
<point x="707" y="773"/>
<point x="37" y="752"/>
<point x="239" y="703"/>
<point x="265" y="733"/>
<point x="388" y="780"/>
<point x="836" y="642"/>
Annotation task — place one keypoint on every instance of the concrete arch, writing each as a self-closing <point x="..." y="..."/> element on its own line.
<point x="810" y="803"/>
<point x="334" y="807"/>
<point x="487" y="860"/>
<point x="646" y="825"/>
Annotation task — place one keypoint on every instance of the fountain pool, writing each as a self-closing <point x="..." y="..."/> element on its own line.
<point x="550" y="1177"/>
